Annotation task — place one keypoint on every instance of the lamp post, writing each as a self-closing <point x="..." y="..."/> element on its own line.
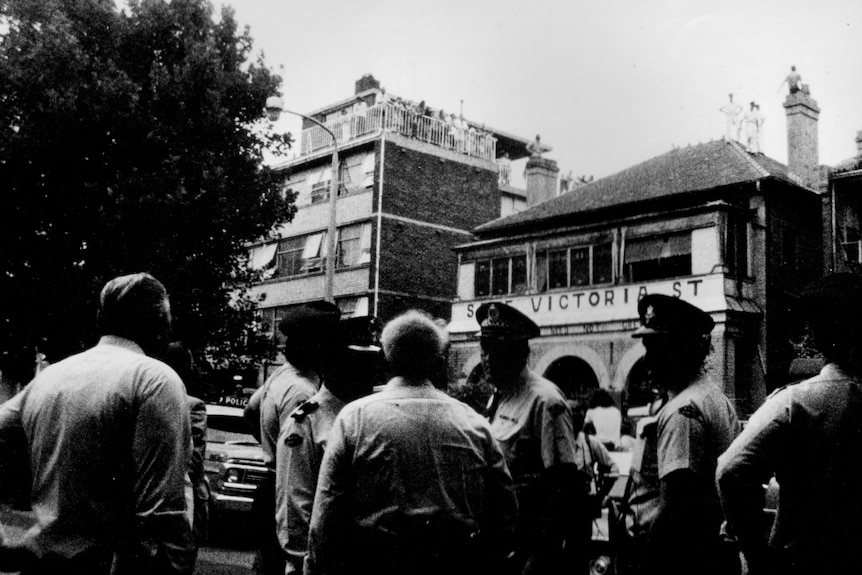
<point x="274" y="108"/>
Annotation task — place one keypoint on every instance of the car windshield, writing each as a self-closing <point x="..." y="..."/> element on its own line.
<point x="228" y="429"/>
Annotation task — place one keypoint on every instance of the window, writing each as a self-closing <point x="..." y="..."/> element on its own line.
<point x="354" y="245"/>
<point x="737" y="246"/>
<point x="289" y="256"/>
<point x="656" y="258"/>
<point x="574" y="267"/>
<point x="320" y="182"/>
<point x="352" y="306"/>
<point x="790" y="248"/>
<point x="262" y="258"/>
<point x="301" y="255"/>
<point x="500" y="276"/>
<point x="314" y="253"/>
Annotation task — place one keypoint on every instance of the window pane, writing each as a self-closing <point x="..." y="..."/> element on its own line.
<point x="558" y="273"/>
<point x="482" y="278"/>
<point x="602" y="264"/>
<point x="542" y="271"/>
<point x="580" y="266"/>
<point x="500" y="276"/>
<point x="349" y="246"/>
<point x="289" y="256"/>
<point x="519" y="274"/>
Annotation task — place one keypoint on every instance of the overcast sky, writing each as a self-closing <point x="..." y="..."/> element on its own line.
<point x="607" y="84"/>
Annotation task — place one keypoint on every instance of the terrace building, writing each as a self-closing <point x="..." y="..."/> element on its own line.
<point x="734" y="232"/>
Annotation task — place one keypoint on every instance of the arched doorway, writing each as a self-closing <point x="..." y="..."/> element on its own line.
<point x="639" y="389"/>
<point x="574" y="377"/>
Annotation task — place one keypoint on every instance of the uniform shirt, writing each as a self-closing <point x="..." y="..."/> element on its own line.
<point x="533" y="425"/>
<point x="404" y="453"/>
<point x="110" y="442"/>
<point x="694" y="428"/>
<point x="303" y="443"/>
<point x="285" y="389"/>
<point x="810" y="435"/>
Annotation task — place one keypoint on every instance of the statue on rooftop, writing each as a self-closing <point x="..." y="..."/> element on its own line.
<point x="537" y="148"/>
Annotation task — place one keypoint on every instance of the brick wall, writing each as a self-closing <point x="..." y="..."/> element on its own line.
<point x="438" y="190"/>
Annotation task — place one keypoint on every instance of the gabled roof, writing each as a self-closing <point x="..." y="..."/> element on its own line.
<point x="681" y="171"/>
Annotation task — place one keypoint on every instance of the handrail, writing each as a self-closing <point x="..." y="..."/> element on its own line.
<point x="350" y="126"/>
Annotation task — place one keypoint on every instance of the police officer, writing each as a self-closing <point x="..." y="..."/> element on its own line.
<point x="412" y="480"/>
<point x="694" y="427"/>
<point x="808" y="434"/>
<point x="309" y="330"/>
<point x="531" y="420"/>
<point x="350" y="373"/>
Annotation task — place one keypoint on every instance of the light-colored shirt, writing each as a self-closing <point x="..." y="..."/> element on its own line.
<point x="110" y="442"/>
<point x="533" y="424"/>
<point x="404" y="453"/>
<point x="285" y="389"/>
<point x="607" y="421"/>
<point x="302" y="444"/>
<point x="810" y="436"/>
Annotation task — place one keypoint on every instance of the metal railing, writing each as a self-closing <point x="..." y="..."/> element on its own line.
<point x="409" y="123"/>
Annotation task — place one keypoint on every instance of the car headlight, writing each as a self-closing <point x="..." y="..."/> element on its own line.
<point x="600" y="565"/>
<point x="232" y="476"/>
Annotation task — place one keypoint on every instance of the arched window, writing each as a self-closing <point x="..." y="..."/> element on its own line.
<point x="575" y="378"/>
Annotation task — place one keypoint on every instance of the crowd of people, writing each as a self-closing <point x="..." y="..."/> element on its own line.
<point x="392" y="475"/>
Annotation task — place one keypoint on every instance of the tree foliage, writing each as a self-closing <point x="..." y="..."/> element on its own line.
<point x="128" y="145"/>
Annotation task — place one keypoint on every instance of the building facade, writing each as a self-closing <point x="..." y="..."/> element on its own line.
<point x="733" y="232"/>
<point x="412" y="184"/>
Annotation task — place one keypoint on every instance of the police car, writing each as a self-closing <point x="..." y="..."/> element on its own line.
<point x="234" y="461"/>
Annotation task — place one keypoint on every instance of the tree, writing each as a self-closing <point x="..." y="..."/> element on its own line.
<point x="127" y="145"/>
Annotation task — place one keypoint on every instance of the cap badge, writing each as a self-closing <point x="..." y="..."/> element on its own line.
<point x="649" y="315"/>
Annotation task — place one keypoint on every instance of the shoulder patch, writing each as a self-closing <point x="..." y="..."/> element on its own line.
<point x="304" y="409"/>
<point x="691" y="411"/>
<point x="557" y="410"/>
<point x="293" y="440"/>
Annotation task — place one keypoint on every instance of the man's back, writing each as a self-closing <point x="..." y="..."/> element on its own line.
<point x="109" y="442"/>
<point x="408" y="472"/>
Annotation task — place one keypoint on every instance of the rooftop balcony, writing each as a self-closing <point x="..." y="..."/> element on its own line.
<point x="470" y="141"/>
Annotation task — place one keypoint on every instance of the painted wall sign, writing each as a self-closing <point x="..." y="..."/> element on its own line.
<point x="603" y="304"/>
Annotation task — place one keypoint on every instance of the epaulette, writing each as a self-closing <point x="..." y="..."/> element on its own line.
<point x="692" y="411"/>
<point x="304" y="409"/>
<point x="778" y="390"/>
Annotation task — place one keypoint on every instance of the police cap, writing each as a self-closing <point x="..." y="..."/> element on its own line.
<point x="664" y="314"/>
<point x="502" y="322"/>
<point x="313" y="320"/>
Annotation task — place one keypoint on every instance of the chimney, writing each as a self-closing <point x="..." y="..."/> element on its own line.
<point x="541" y="176"/>
<point x="859" y="144"/>
<point x="802" y="149"/>
<point x="365" y="83"/>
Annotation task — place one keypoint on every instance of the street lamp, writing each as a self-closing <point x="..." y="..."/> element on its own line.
<point x="274" y="108"/>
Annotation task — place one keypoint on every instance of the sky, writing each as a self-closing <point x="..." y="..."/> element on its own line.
<point x="606" y="84"/>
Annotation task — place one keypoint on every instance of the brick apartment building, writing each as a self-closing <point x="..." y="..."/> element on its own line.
<point x="411" y="186"/>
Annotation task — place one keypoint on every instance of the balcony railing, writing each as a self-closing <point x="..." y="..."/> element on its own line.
<point x="471" y="142"/>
